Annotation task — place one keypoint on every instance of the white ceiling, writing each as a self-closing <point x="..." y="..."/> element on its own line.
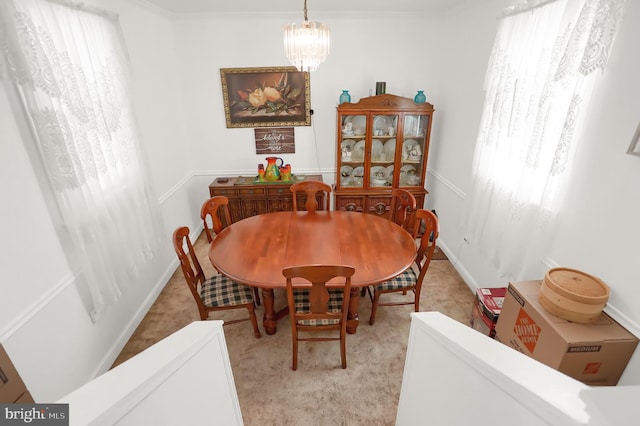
<point x="275" y="6"/>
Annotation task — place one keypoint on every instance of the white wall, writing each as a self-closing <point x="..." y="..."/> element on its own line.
<point x="176" y="61"/>
<point x="364" y="51"/>
<point x="43" y="324"/>
<point x="597" y="232"/>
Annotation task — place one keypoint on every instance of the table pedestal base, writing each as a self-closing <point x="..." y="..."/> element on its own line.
<point x="352" y="315"/>
<point x="271" y="317"/>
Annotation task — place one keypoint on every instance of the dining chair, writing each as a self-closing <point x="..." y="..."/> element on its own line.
<point x="409" y="282"/>
<point x="216" y="208"/>
<point x="215" y="293"/>
<point x="317" y="307"/>
<point x="311" y="188"/>
<point x="403" y="206"/>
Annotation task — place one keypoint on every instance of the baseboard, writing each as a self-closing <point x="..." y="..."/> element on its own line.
<point x="458" y="266"/>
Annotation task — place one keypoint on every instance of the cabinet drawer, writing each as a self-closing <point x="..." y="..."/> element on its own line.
<point x="227" y="192"/>
<point x="252" y="191"/>
<point x="280" y="190"/>
<point x="352" y="204"/>
<point x="378" y="206"/>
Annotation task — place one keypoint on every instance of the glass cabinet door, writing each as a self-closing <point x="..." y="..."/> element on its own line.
<point x="383" y="150"/>
<point x="413" y="150"/>
<point x="352" y="147"/>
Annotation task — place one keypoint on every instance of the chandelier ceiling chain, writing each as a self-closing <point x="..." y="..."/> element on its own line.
<point x="307" y="45"/>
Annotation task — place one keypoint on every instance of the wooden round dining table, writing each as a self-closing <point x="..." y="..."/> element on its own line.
<point x="254" y="251"/>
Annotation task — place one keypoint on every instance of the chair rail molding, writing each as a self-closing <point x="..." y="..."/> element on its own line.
<point x="34" y="309"/>
<point x="446" y="182"/>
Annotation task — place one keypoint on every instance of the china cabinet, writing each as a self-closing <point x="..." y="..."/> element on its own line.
<point x="382" y="143"/>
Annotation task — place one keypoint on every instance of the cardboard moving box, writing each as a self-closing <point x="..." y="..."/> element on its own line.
<point x="486" y="309"/>
<point x="596" y="353"/>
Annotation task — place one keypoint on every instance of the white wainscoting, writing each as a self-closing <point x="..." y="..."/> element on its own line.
<point x="185" y="379"/>
<point x="455" y="375"/>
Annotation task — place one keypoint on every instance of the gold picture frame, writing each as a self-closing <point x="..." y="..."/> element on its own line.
<point x="266" y="97"/>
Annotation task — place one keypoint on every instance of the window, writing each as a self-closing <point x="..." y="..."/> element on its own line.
<point x="540" y="76"/>
<point x="71" y="68"/>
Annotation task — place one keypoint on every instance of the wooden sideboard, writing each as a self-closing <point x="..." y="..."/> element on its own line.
<point x="248" y="198"/>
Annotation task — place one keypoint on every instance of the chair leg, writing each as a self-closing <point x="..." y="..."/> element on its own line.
<point x="254" y="321"/>
<point x="374" y="307"/>
<point x="294" y="365"/>
<point x="256" y="296"/>
<point x="343" y="349"/>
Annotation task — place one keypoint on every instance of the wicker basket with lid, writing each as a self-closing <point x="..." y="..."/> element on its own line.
<point x="573" y="295"/>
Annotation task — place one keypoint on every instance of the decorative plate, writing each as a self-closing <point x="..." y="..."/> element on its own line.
<point x="346" y="171"/>
<point x="358" y="171"/>
<point x="376" y="150"/>
<point x="378" y="176"/>
<point x="390" y="174"/>
<point x="348" y="145"/>
<point x="406" y="171"/>
<point x="383" y="122"/>
<point x="357" y="154"/>
<point x="390" y="149"/>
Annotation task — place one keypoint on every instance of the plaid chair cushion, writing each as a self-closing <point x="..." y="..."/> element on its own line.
<point x="405" y="280"/>
<point x="221" y="291"/>
<point x="301" y="302"/>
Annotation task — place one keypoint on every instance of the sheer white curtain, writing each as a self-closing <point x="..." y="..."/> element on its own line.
<point x="537" y="87"/>
<point x="72" y="70"/>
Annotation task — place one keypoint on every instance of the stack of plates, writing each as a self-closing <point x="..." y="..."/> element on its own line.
<point x="378" y="176"/>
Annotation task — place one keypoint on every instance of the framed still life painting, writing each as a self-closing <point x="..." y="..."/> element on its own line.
<point x="266" y="97"/>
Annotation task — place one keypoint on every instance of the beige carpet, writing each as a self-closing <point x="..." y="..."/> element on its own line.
<point x="319" y="392"/>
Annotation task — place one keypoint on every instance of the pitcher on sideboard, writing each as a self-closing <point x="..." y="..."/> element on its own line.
<point x="272" y="171"/>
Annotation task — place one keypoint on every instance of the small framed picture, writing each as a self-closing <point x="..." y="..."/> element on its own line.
<point x="634" y="148"/>
<point x="275" y="140"/>
<point x="266" y="97"/>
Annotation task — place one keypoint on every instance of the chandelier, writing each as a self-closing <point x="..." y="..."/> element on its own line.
<point x="307" y="45"/>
